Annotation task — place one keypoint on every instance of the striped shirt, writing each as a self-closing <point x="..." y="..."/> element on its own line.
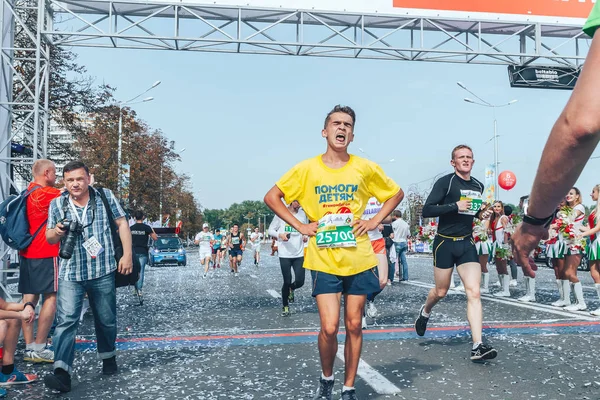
<point x="81" y="266"/>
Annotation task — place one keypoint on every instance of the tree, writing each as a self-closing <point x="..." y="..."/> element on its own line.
<point x="71" y="93"/>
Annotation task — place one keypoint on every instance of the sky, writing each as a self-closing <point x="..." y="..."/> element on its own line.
<point x="244" y="120"/>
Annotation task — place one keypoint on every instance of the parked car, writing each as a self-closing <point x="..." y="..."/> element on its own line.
<point x="167" y="249"/>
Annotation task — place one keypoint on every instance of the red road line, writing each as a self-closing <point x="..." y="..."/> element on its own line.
<point x="366" y="332"/>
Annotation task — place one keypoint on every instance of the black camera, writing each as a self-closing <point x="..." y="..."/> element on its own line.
<point x="67" y="245"/>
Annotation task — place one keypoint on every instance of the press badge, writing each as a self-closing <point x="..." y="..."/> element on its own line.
<point x="93" y="247"/>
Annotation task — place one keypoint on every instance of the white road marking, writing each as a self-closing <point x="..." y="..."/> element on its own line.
<point x="378" y="382"/>
<point x="274" y="293"/>
<point x="516" y="303"/>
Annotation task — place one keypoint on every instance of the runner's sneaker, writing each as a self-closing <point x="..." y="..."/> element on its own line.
<point x="325" y="389"/>
<point x="236" y="274"/>
<point x="371" y="309"/>
<point x="349" y="395"/>
<point x="43" y="356"/>
<point x="483" y="352"/>
<point x="364" y="322"/>
<point x="291" y="296"/>
<point x="16" y="378"/>
<point x="285" y="312"/>
<point x="421" y="322"/>
<point x="141" y="297"/>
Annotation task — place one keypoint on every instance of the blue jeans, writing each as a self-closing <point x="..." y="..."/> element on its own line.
<point x="391" y="265"/>
<point x="69" y="300"/>
<point x="401" y="248"/>
<point x="143" y="259"/>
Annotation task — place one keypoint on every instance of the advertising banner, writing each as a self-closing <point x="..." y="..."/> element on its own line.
<point x="543" y="77"/>
<point x="548" y="8"/>
<point x="489" y="195"/>
<point x="572" y="12"/>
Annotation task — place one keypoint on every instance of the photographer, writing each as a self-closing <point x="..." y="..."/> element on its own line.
<point x="79" y="221"/>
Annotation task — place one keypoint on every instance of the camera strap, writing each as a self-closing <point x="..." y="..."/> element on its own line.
<point x="67" y="201"/>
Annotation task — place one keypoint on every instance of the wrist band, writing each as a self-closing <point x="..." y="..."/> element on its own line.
<point x="29" y="304"/>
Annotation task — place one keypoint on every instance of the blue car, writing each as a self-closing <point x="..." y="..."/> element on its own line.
<point x="167" y="249"/>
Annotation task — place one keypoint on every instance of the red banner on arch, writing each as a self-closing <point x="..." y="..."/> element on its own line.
<point x="546" y="8"/>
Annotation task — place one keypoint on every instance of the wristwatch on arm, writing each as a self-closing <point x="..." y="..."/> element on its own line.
<point x="545" y="222"/>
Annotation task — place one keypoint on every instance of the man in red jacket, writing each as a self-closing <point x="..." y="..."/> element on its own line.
<point x="39" y="263"/>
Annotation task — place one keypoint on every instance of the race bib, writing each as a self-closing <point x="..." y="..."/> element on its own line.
<point x="476" y="201"/>
<point x="335" y="231"/>
<point x="235" y="240"/>
<point x="289" y="229"/>
<point x="93" y="247"/>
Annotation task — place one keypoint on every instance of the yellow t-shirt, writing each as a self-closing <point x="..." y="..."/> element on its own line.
<point x="321" y="190"/>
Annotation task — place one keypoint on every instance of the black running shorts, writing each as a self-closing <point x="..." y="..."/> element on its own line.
<point x="448" y="252"/>
<point x="38" y="275"/>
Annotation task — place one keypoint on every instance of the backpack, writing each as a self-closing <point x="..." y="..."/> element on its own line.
<point x="14" y="225"/>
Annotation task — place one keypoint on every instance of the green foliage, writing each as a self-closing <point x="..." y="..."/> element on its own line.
<point x="248" y="211"/>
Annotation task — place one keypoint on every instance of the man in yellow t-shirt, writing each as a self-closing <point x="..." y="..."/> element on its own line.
<point x="334" y="189"/>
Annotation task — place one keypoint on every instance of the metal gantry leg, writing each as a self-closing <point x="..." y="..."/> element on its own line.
<point x="24" y="102"/>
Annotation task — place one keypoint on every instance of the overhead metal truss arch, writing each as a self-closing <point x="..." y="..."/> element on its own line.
<point x="176" y="25"/>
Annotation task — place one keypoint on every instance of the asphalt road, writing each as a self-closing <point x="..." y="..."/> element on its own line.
<point x="222" y="337"/>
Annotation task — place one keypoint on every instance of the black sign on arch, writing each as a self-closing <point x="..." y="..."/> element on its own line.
<point x="541" y="77"/>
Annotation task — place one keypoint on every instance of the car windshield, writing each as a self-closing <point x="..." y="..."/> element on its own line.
<point x="163" y="243"/>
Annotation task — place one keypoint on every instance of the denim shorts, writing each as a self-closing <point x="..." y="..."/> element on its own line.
<point x="362" y="283"/>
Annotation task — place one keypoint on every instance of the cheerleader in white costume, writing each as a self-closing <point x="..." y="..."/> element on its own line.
<point x="593" y="250"/>
<point x="574" y="253"/>
<point x="555" y="250"/>
<point x="484" y="246"/>
<point x="499" y="223"/>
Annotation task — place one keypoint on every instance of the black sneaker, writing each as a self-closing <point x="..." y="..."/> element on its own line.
<point x="109" y="366"/>
<point x="291" y="296"/>
<point x="325" y="389"/>
<point x="349" y="395"/>
<point x="421" y="322"/>
<point x="483" y="352"/>
<point x="59" y="380"/>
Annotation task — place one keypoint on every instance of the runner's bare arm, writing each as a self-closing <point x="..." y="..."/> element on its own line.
<point x="361" y="227"/>
<point x="273" y="201"/>
<point x="572" y="141"/>
<point x="126" y="262"/>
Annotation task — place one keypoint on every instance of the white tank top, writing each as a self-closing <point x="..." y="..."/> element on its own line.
<point x="578" y="220"/>
<point x="499" y="230"/>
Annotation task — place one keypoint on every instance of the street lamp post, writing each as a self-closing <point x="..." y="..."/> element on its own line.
<point x="485" y="103"/>
<point x="121" y="105"/>
<point x="264" y="225"/>
<point x="160" y="195"/>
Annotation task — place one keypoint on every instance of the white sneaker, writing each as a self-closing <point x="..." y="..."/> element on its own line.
<point x="526" y="299"/>
<point x="484" y="290"/>
<point x="501" y="294"/>
<point x="204" y="275"/>
<point x="389" y="283"/>
<point x="576" y="307"/>
<point x="371" y="309"/>
<point x="596" y="312"/>
<point x="364" y="322"/>
<point x="513" y="283"/>
<point x="496" y="284"/>
<point x="236" y="274"/>
<point x="41" y="356"/>
<point x="559" y="303"/>
<point x="460" y="288"/>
